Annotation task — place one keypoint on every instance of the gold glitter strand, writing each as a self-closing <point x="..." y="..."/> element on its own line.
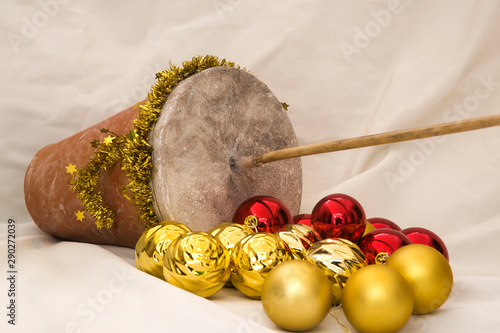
<point x="133" y="149"/>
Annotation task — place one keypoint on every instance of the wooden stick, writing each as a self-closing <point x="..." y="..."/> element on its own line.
<point x="242" y="162"/>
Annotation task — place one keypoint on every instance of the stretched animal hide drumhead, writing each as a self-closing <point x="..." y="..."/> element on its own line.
<point x="209" y="117"/>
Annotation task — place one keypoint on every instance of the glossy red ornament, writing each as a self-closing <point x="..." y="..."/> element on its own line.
<point x="302" y="219"/>
<point x="426" y="237"/>
<point x="380" y="242"/>
<point x="382" y="223"/>
<point x="270" y="214"/>
<point x="339" y="216"/>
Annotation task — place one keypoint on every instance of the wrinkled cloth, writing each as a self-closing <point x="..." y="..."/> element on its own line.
<point x="345" y="69"/>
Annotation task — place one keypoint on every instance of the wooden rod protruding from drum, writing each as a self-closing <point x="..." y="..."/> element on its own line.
<point x="244" y="162"/>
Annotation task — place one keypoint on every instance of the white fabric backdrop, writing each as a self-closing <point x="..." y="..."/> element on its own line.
<point x="345" y="68"/>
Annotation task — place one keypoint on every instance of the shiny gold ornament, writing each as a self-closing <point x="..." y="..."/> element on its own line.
<point x="296" y="295"/>
<point x="151" y="246"/>
<point x="253" y="258"/>
<point x="428" y="273"/>
<point x="197" y="262"/>
<point x="230" y="233"/>
<point x="299" y="238"/>
<point x="339" y="259"/>
<point x="377" y="299"/>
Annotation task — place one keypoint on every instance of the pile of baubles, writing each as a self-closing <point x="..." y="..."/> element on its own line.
<point x="302" y="266"/>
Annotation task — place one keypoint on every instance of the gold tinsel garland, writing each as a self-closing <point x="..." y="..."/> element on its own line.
<point x="133" y="149"/>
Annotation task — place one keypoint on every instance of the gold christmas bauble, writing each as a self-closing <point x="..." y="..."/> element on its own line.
<point x="230" y="233"/>
<point x="428" y="273"/>
<point x="253" y="258"/>
<point x="197" y="262"/>
<point x="299" y="237"/>
<point x="377" y="299"/>
<point x="151" y="246"/>
<point x="338" y="258"/>
<point x="296" y="295"/>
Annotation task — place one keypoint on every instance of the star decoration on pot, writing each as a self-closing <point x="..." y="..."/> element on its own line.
<point x="80" y="215"/>
<point x="95" y="143"/>
<point x="108" y="140"/>
<point x="71" y="169"/>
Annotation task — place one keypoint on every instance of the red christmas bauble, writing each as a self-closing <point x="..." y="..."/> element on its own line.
<point x="426" y="237"/>
<point x="339" y="216"/>
<point x="302" y="219"/>
<point x="263" y="214"/>
<point x="381" y="223"/>
<point x="382" y="242"/>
